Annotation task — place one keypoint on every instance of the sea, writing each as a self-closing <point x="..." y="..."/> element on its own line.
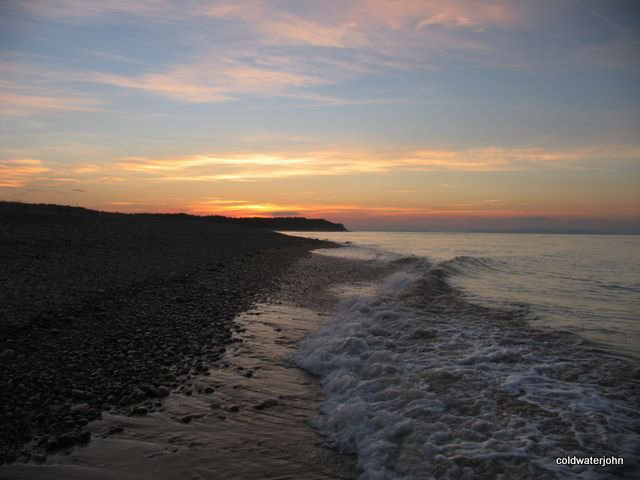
<point x="484" y="356"/>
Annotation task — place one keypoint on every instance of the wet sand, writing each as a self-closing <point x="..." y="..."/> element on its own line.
<point x="247" y="417"/>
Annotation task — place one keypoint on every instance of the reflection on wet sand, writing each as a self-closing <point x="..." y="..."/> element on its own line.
<point x="246" y="419"/>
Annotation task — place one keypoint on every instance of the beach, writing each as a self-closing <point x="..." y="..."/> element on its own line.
<point x="288" y="357"/>
<point x="110" y="313"/>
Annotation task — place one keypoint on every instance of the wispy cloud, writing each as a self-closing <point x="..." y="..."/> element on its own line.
<point x="254" y="166"/>
<point x="19" y="104"/>
<point x="23" y="92"/>
<point x="215" y="79"/>
<point x="76" y="10"/>
<point x="359" y="23"/>
<point x="17" y="172"/>
<point x="390" y="210"/>
<point x="271" y="56"/>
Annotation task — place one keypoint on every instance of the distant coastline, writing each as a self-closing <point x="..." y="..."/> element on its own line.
<point x="268" y="223"/>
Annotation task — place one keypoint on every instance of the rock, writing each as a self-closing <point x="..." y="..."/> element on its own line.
<point x="138" y="394"/>
<point x="249" y="374"/>
<point x="76" y="393"/>
<point x="234" y="408"/>
<point x="83" y="437"/>
<point x="150" y="390"/>
<point x="66" y="440"/>
<point x="8" y="353"/>
<point x="80" y="408"/>
<point x="163" y="391"/>
<point x="215" y="406"/>
<point x="186" y="419"/>
<point x="140" y="410"/>
<point x="209" y="390"/>
<point x="266" y="404"/>
<point x="114" y="430"/>
<point x="52" y="444"/>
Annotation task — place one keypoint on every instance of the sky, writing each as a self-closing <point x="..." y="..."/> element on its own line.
<point x="380" y="114"/>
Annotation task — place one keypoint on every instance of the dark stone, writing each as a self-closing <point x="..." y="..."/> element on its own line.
<point x="8" y="353"/>
<point x="114" y="430"/>
<point x="150" y="390"/>
<point x="83" y="437"/>
<point x="66" y="440"/>
<point x="140" y="410"/>
<point x="266" y="404"/>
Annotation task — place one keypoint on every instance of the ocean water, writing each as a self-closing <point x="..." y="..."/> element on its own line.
<point x="484" y="356"/>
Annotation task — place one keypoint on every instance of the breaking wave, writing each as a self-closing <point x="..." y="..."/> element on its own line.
<point x="420" y="383"/>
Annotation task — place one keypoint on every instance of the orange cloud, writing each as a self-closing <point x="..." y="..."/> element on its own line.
<point x="214" y="79"/>
<point x="252" y="166"/>
<point x="21" y="104"/>
<point x="489" y="207"/>
<point x="360" y="23"/>
<point x="83" y="169"/>
<point x="376" y="33"/>
<point x="16" y="173"/>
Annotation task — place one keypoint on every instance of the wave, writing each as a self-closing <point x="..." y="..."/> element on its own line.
<point x="420" y="383"/>
<point x="467" y="264"/>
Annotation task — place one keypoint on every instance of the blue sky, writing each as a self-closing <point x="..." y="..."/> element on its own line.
<point x="381" y="114"/>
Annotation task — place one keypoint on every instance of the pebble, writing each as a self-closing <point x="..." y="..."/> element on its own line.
<point x="139" y="410"/>
<point x="266" y="404"/>
<point x="83" y="437"/>
<point x="76" y="393"/>
<point x="150" y="390"/>
<point x="81" y="408"/>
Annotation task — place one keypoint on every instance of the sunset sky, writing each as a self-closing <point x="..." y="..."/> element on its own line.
<point x="381" y="114"/>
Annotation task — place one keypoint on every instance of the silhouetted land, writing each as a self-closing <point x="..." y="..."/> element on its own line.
<point x="105" y="311"/>
<point x="290" y="224"/>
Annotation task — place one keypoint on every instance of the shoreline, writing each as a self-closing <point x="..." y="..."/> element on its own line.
<point x="247" y="415"/>
<point x="105" y="314"/>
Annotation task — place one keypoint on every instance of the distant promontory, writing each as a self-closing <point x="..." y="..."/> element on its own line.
<point x="283" y="223"/>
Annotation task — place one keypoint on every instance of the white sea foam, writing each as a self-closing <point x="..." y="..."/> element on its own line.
<point x="459" y="391"/>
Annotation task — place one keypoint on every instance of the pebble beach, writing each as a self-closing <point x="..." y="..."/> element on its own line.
<point x="110" y="313"/>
